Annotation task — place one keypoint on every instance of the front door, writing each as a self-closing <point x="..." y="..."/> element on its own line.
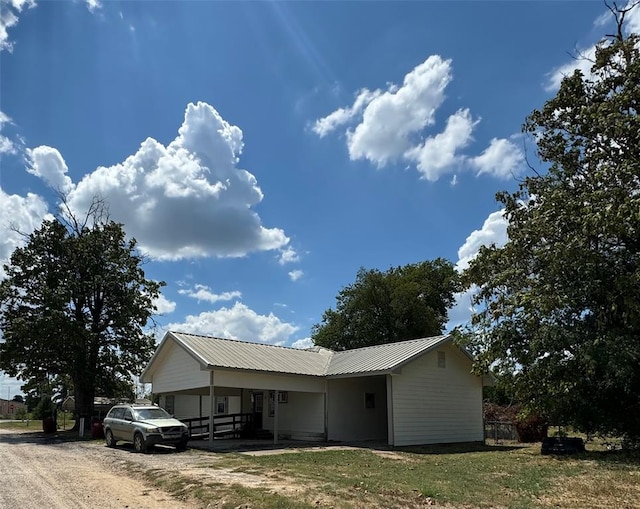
<point x="258" y="405"/>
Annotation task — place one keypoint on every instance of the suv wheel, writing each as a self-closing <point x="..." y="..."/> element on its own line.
<point x="108" y="438"/>
<point x="182" y="446"/>
<point x="138" y="443"/>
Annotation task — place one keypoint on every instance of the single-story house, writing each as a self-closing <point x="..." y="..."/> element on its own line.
<point x="412" y="392"/>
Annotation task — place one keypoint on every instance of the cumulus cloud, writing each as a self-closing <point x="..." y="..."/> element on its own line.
<point x="183" y="200"/>
<point x="302" y="343"/>
<point x="493" y="231"/>
<point x="47" y="163"/>
<point x="341" y="116"/>
<point x="288" y="255"/>
<point x="237" y="322"/>
<point x="392" y="117"/>
<point x="204" y="293"/>
<point x="439" y="153"/>
<point x="164" y="306"/>
<point x="391" y="126"/>
<point x="18" y="215"/>
<point x="502" y="158"/>
<point x="296" y="274"/>
<point x="9" y="10"/>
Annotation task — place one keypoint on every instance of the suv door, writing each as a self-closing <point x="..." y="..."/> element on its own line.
<point x="115" y="422"/>
<point x="127" y="425"/>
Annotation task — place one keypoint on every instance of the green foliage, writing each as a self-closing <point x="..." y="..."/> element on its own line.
<point x="559" y="304"/>
<point x="385" y="307"/>
<point x="74" y="306"/>
<point x="44" y="408"/>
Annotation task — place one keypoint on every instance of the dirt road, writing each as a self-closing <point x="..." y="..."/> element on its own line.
<point x="37" y="472"/>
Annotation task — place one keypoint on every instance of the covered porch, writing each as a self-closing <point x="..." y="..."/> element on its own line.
<point x="249" y="405"/>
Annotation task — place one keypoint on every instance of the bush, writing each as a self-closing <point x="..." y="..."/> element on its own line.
<point x="531" y="428"/>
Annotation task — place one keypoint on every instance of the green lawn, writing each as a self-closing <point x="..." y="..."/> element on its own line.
<point x="490" y="476"/>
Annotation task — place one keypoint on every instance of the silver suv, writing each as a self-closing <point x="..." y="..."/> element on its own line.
<point x="144" y="426"/>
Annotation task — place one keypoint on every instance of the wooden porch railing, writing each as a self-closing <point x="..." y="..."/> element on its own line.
<point x="228" y="425"/>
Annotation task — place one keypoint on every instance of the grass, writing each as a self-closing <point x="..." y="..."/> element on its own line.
<point x="27" y="425"/>
<point x="488" y="477"/>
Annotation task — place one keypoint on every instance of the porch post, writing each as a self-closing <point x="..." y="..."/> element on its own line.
<point x="326" y="410"/>
<point x="390" y="430"/>
<point x="212" y="408"/>
<point x="275" y="418"/>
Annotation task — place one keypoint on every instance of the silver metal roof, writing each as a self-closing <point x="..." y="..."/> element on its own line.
<point x="228" y="353"/>
<point x="380" y="358"/>
<point x="214" y="352"/>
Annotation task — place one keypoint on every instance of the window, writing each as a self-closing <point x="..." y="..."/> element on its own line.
<point x="442" y="360"/>
<point x="221" y="405"/>
<point x="369" y="400"/>
<point x="170" y="404"/>
<point x="283" y="397"/>
<point x="128" y="416"/>
<point x="116" y="413"/>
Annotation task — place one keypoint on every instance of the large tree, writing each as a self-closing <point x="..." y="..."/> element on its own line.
<point x="385" y="307"/>
<point x="559" y="304"/>
<point x="73" y="307"/>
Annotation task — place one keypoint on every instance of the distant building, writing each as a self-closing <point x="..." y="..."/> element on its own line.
<point x="9" y="408"/>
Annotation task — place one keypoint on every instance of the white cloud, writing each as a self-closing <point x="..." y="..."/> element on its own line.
<point x="296" y="274"/>
<point x="583" y="60"/>
<point x="237" y="322"/>
<point x="93" y="5"/>
<point x="439" y="153"/>
<point x="164" y="305"/>
<point x="493" y="231"/>
<point x="302" y="343"/>
<point x="502" y="159"/>
<point x="19" y="215"/>
<point x="204" y="293"/>
<point x="391" y="127"/>
<point x="460" y="313"/>
<point x="187" y="199"/>
<point x="393" y="117"/>
<point x="6" y="145"/>
<point x="341" y="116"/>
<point x="47" y="163"/>
<point x="9" y="10"/>
<point x="288" y="255"/>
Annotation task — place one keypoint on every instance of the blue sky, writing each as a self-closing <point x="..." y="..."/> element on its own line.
<point x="261" y="152"/>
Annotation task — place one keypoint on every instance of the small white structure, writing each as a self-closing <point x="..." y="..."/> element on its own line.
<point x="413" y="392"/>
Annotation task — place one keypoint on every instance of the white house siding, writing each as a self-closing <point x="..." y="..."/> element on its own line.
<point x="252" y="380"/>
<point x="349" y="420"/>
<point x="437" y="405"/>
<point x="300" y="418"/>
<point x="177" y="371"/>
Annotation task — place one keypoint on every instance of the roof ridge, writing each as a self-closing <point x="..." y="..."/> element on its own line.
<point x="393" y="343"/>
<point x="244" y="342"/>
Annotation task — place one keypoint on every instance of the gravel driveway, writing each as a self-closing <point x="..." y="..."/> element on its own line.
<point x="38" y="471"/>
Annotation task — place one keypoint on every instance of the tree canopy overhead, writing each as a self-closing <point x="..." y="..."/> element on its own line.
<point x="385" y="307"/>
<point x="74" y="307"/>
<point x="559" y="304"/>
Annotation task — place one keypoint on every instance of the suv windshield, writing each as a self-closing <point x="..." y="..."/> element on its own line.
<point x="151" y="413"/>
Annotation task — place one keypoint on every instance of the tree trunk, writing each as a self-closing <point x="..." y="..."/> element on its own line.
<point x="84" y="397"/>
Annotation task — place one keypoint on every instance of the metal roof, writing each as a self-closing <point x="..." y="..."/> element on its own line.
<point x="380" y="358"/>
<point x="214" y="352"/>
<point x="232" y="354"/>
